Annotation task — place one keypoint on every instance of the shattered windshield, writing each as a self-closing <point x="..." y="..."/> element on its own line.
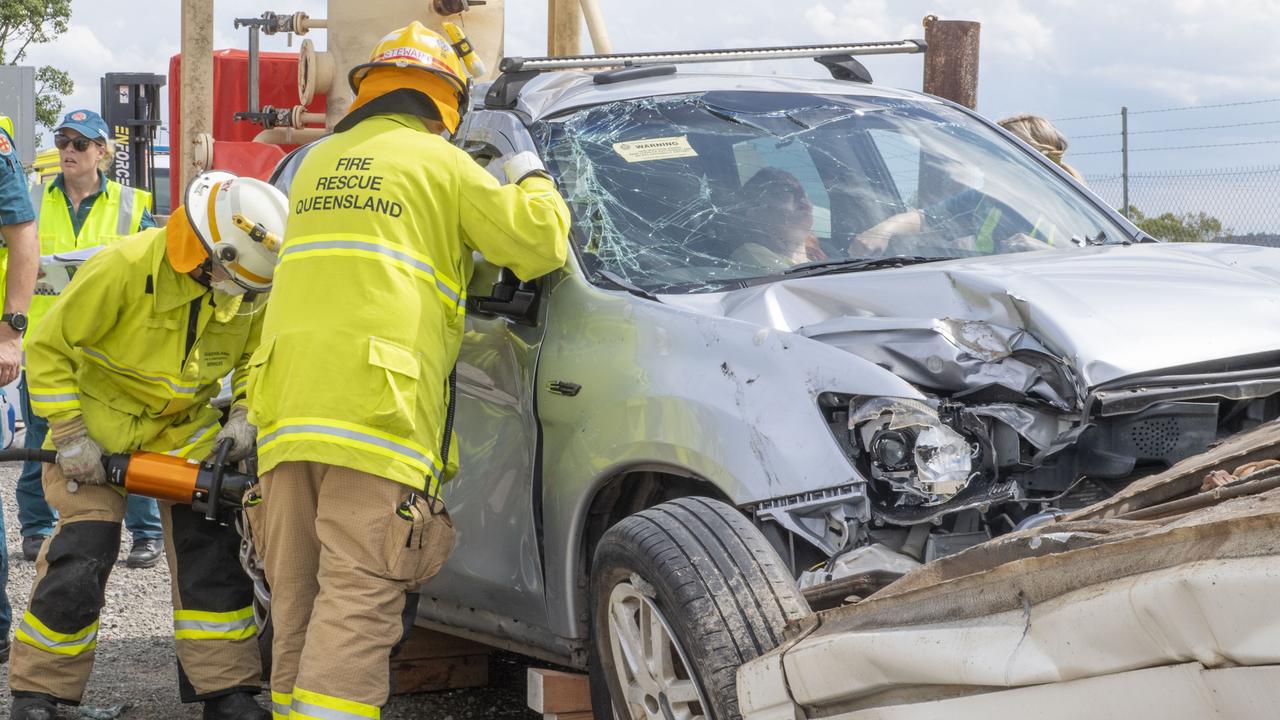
<point x="698" y="193"/>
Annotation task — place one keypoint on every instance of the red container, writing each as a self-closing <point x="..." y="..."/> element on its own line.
<point x="277" y="86"/>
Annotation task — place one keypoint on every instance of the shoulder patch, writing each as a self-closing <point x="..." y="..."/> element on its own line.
<point x="6" y="147"/>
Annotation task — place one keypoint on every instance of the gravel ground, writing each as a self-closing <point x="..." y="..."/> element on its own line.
<point x="135" y="656"/>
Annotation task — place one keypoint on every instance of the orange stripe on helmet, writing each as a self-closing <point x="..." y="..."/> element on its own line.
<point x="215" y="236"/>
<point x="241" y="270"/>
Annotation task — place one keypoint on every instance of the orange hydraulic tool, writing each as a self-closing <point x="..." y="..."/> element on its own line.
<point x="209" y="487"/>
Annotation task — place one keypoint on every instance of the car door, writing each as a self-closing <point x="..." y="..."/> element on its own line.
<point x="496" y="565"/>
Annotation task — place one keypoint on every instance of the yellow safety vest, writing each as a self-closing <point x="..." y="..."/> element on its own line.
<point x="116" y="213"/>
<point x="366" y="313"/>
<point x="139" y="349"/>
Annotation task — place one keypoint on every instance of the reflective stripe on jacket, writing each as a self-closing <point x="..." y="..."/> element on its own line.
<point x="116" y="213"/>
<point x="366" y="312"/>
<point x="139" y="349"/>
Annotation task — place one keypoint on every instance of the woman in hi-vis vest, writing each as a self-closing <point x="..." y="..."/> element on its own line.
<point x="82" y="208"/>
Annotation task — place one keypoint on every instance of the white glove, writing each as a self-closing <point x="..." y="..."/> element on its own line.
<point x="79" y="456"/>
<point x="242" y="433"/>
<point x="523" y="165"/>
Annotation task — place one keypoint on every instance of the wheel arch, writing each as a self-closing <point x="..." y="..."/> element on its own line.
<point x="624" y="493"/>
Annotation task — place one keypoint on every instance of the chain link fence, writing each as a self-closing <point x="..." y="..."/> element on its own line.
<point x="1230" y="204"/>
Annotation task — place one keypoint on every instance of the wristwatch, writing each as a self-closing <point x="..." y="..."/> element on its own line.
<point x="17" y="321"/>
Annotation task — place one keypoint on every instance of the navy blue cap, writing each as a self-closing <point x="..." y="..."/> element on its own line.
<point x="86" y="122"/>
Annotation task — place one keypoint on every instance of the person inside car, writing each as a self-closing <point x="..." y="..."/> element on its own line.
<point x="777" y="218"/>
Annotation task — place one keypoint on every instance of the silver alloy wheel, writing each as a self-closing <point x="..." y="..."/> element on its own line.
<point x="652" y="670"/>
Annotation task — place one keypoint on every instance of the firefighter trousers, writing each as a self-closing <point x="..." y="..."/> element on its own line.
<point x="344" y="553"/>
<point x="214" y="629"/>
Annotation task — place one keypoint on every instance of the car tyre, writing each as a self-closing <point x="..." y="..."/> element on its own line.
<point x="682" y="594"/>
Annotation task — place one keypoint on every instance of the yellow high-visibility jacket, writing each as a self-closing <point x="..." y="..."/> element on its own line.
<point x="115" y="214"/>
<point x="366" y="312"/>
<point x="139" y="349"/>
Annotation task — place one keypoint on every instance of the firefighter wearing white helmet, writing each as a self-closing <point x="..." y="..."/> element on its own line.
<point x="370" y="297"/>
<point x="126" y="360"/>
<point x="233" y="229"/>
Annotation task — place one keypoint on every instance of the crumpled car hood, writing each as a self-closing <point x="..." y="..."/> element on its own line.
<point x="1108" y="311"/>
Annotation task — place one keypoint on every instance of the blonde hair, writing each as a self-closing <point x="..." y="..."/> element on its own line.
<point x="105" y="163"/>
<point x="1040" y="134"/>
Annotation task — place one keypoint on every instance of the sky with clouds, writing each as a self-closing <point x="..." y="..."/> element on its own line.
<point x="1058" y="58"/>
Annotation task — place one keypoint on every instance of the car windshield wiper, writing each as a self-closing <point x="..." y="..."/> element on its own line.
<point x="621" y="284"/>
<point x="822" y="267"/>
<point x="596" y="269"/>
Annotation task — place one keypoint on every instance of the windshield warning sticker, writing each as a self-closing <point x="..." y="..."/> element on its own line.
<point x="655" y="149"/>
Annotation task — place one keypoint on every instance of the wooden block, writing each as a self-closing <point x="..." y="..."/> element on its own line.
<point x="431" y="674"/>
<point x="423" y="643"/>
<point x="585" y="715"/>
<point x="552" y="693"/>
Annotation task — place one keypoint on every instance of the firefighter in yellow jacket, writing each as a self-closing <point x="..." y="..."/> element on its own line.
<point x="348" y="388"/>
<point x="128" y="359"/>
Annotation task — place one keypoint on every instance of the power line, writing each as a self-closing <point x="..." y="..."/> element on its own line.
<point x="1178" y="147"/>
<point x="1182" y="129"/>
<point x="1170" y="109"/>
<point x="1204" y="107"/>
<point x="1085" y="117"/>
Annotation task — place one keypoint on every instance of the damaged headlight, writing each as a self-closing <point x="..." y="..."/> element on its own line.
<point x="910" y="448"/>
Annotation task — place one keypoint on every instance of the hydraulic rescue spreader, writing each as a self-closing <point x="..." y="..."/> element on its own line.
<point x="212" y="487"/>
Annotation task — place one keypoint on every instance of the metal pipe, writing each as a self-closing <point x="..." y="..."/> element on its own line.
<point x="307" y="23"/>
<point x="896" y="47"/>
<point x="254" y="57"/>
<point x="289" y="136"/>
<point x="196" y="94"/>
<point x="600" y="43"/>
<point x="1124" y="159"/>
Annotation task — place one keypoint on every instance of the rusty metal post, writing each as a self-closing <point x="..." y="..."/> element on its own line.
<point x="564" y="28"/>
<point x="951" y="62"/>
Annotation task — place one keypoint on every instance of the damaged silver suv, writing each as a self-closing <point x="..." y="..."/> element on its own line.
<point x="813" y="334"/>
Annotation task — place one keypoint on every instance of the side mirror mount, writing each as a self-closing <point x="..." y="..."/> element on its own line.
<point x="508" y="296"/>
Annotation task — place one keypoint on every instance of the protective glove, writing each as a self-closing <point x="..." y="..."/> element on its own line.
<point x="79" y="456"/>
<point x="242" y="433"/>
<point x="523" y="165"/>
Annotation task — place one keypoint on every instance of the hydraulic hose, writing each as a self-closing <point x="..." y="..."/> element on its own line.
<point x="25" y="455"/>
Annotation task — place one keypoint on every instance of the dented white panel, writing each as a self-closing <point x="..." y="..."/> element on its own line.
<point x="1181" y="692"/>
<point x="1214" y="613"/>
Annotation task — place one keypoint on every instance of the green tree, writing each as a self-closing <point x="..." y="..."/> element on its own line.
<point x="1186" y="227"/>
<point x="24" y="23"/>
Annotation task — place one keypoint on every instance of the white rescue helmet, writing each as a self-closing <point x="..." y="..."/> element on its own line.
<point x="240" y="221"/>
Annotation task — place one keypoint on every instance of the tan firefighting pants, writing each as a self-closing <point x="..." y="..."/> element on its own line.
<point x="54" y="642"/>
<point x="344" y="556"/>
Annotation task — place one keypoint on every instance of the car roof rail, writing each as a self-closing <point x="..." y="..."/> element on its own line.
<point x="517" y="71"/>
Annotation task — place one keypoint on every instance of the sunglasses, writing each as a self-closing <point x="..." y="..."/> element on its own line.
<point x="80" y="144"/>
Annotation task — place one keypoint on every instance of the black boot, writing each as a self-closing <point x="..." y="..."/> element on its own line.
<point x="236" y="706"/>
<point x="33" y="708"/>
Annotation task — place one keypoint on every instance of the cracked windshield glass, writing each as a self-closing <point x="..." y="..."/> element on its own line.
<point x="707" y="192"/>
